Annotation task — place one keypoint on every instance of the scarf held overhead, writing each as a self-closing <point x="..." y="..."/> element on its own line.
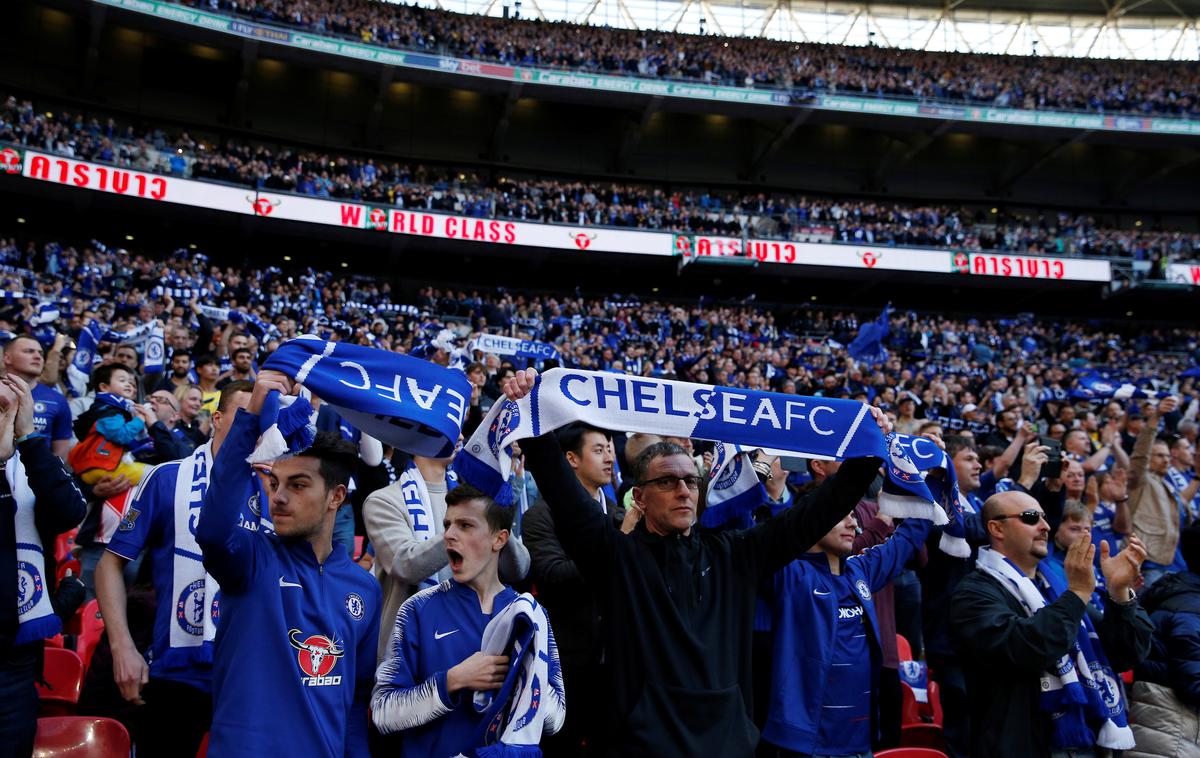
<point x="811" y="427"/>
<point x="404" y="402"/>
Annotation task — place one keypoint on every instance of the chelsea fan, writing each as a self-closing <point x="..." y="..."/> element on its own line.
<point x="174" y="688"/>
<point x="680" y="601"/>
<point x="429" y="685"/>
<point x="39" y="501"/>
<point x="299" y="620"/>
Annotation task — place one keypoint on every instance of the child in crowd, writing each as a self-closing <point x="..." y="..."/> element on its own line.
<point x="112" y="429"/>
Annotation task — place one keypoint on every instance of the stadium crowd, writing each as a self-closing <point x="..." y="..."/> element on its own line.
<point x="694" y="210"/>
<point x="1149" y="88"/>
<point x="669" y="631"/>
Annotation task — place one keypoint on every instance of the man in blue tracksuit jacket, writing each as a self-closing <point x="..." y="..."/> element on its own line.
<point x="826" y="647"/>
<point x="294" y="655"/>
<point x="435" y="662"/>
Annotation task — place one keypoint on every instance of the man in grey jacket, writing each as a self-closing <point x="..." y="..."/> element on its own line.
<point x="404" y="523"/>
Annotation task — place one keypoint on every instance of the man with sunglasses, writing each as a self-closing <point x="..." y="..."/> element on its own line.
<point x="679" y="602"/>
<point x="1021" y="636"/>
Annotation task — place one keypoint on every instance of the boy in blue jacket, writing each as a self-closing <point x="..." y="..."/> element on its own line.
<point x="435" y="663"/>
<point x="294" y="656"/>
<point x="826" y="649"/>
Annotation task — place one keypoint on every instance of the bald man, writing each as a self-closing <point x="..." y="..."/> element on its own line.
<point x="1007" y="640"/>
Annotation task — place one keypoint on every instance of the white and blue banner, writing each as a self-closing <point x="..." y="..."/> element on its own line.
<point x="734" y="490"/>
<point x="1096" y="387"/>
<point x="501" y="345"/>
<point x="410" y="404"/>
<point x="811" y="427"/>
<point x="79" y="373"/>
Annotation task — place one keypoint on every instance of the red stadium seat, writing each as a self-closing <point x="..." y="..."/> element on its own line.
<point x="910" y="752"/>
<point x="1127" y="677"/>
<point x="80" y="737"/>
<point x="63" y="672"/>
<point x="91" y="628"/>
<point x="359" y="540"/>
<point x="64" y="546"/>
<point x="922" y="735"/>
<point x="55" y="641"/>
<point x="202" y="751"/>
<point x="903" y="648"/>
<point x="71" y="565"/>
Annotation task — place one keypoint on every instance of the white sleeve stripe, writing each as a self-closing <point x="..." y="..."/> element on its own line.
<point x="394" y="707"/>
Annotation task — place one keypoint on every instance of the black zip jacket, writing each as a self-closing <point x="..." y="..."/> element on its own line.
<point x="679" y="610"/>
<point x="1004" y="652"/>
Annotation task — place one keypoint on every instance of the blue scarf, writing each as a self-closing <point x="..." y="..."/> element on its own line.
<point x="116" y="401"/>
<point x="407" y="403"/>
<point x="811" y="427"/>
<point x="1093" y="386"/>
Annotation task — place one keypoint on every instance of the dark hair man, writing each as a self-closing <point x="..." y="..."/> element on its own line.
<point x="299" y="620"/>
<point x="573" y="607"/>
<point x="435" y="658"/>
<point x="682" y="684"/>
<point x="1018" y="635"/>
<point x="159" y="518"/>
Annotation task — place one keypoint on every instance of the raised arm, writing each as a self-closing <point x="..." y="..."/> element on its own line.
<point x="229" y="550"/>
<point x="60" y="505"/>
<point x="781" y="540"/>
<point x="397" y="547"/>
<point x="884" y="562"/>
<point x="586" y="534"/>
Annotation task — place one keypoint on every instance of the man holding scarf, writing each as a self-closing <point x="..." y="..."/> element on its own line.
<point x="680" y="601"/>
<point x="1040" y="664"/>
<point x="175" y="688"/>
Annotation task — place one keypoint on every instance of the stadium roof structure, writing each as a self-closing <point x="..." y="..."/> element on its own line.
<point x="1125" y="29"/>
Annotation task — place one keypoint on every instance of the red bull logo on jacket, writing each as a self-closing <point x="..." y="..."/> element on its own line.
<point x="317" y="656"/>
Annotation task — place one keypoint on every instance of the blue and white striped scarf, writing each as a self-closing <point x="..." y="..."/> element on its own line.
<point x="811" y="427"/>
<point x="1081" y="684"/>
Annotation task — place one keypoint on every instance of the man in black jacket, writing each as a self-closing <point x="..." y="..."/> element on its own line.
<point x="1004" y="649"/>
<point x="679" y="602"/>
<point x="33" y="473"/>
<point x="574" y="610"/>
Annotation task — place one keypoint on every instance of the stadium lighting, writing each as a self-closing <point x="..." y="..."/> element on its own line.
<point x="20" y="221"/>
<point x="129" y="237"/>
<point x="287" y="257"/>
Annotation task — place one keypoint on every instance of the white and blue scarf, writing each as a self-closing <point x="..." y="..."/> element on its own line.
<point x="1080" y="686"/>
<point x="410" y="404"/>
<point x="501" y="345"/>
<point x="1093" y="386"/>
<point x="421" y="514"/>
<point x="811" y="427"/>
<point x="915" y="675"/>
<point x="35" y="615"/>
<point x="194" y="592"/>
<point x="528" y="704"/>
<point x="149" y="336"/>
<point x="734" y="490"/>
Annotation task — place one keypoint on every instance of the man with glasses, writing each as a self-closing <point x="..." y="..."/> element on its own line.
<point x="168" y="446"/>
<point x="679" y="602"/>
<point x="1022" y="636"/>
